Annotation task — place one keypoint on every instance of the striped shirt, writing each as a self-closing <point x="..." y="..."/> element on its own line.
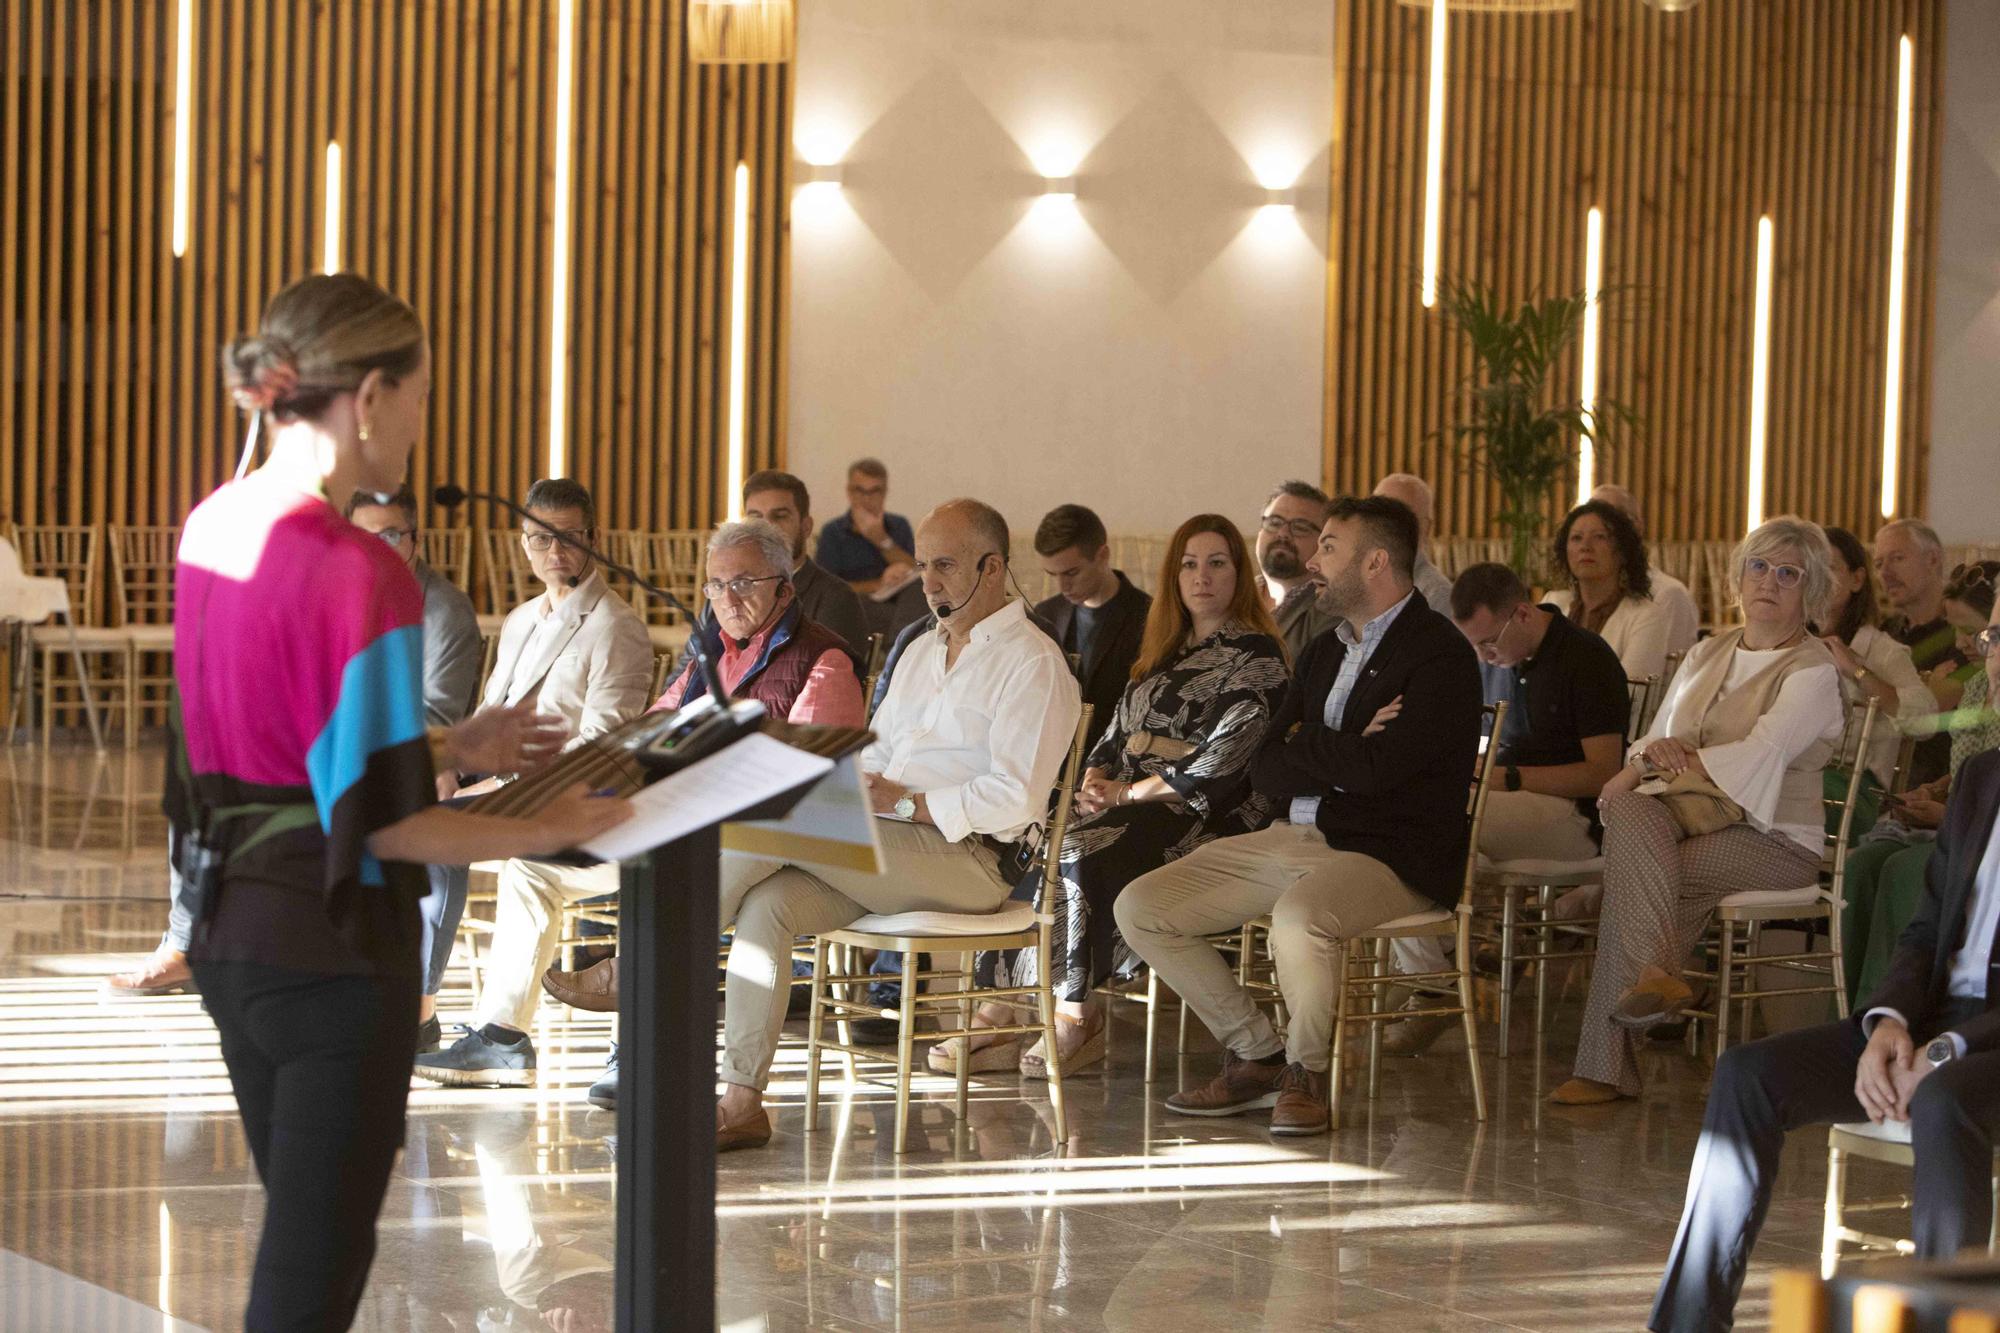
<point x="1305" y="809"/>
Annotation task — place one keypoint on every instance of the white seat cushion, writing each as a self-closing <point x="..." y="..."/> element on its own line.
<point x="1545" y="872"/>
<point x="1013" y="915"/>
<point x="1889" y="1131"/>
<point x="1420" y="921"/>
<point x="1804" y="896"/>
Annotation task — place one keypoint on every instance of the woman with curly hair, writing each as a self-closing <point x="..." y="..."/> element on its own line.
<point x="1603" y="584"/>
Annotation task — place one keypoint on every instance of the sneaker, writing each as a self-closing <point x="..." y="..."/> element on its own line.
<point x="603" y="1094"/>
<point x="477" y="1061"/>
<point x="1414" y="1036"/>
<point x="1301" y="1107"/>
<point x="1243" y="1085"/>
<point x="430" y="1035"/>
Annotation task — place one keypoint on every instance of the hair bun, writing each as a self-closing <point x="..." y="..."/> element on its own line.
<point x="262" y="371"/>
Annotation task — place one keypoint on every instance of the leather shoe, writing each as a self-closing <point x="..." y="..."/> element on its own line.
<point x="752" y="1131"/>
<point x="1586" y="1092"/>
<point x="595" y="988"/>
<point x="1243" y="1085"/>
<point x="1301" y="1107"/>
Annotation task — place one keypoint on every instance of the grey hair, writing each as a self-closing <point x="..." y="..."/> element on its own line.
<point x="756" y="532"/>
<point x="1922" y="533"/>
<point x="1788" y="534"/>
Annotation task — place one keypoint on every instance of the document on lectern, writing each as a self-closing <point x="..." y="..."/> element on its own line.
<point x="832" y="825"/>
<point x="747" y="773"/>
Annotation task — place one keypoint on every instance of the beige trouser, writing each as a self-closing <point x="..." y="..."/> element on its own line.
<point x="1519" y="825"/>
<point x="527" y="923"/>
<point x="773" y="903"/>
<point x="1316" y="897"/>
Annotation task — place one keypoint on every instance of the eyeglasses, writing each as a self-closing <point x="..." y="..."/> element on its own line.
<point x="1986" y="642"/>
<point x="1279" y="526"/>
<point x="397" y="536"/>
<point x="1972" y="574"/>
<point x="1788" y="576"/>
<point x="542" y="541"/>
<point x="738" y="588"/>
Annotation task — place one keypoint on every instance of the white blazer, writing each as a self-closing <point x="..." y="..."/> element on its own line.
<point x="1641" y="631"/>
<point x="593" y="669"/>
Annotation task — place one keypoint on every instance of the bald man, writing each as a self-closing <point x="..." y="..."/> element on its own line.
<point x="1683" y="620"/>
<point x="969" y="741"/>
<point x="1415" y="492"/>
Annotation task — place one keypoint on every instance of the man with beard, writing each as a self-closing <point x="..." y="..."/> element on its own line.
<point x="1287" y="537"/>
<point x="1368" y="759"/>
<point x="781" y="499"/>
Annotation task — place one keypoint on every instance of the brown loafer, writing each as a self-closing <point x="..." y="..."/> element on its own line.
<point x="1301" y="1107"/>
<point x="752" y="1131"/>
<point x="1414" y="1036"/>
<point x="595" y="988"/>
<point x="1657" y="999"/>
<point x="1243" y="1085"/>
<point x="1586" y="1092"/>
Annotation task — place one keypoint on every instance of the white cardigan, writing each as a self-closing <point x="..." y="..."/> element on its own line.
<point x="1889" y="660"/>
<point x="1642" y="631"/>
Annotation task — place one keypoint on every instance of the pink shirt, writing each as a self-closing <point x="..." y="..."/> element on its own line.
<point x="831" y="696"/>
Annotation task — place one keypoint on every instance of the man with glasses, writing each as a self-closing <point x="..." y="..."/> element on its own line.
<point x="781" y="499"/>
<point x="765" y="648"/>
<point x="452" y="650"/>
<point x="1287" y="538"/>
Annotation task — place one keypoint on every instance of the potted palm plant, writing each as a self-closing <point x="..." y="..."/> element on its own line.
<point x="1512" y="431"/>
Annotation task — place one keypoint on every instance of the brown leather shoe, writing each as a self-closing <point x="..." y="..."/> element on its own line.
<point x="1243" y="1085"/>
<point x="752" y="1131"/>
<point x="1301" y="1107"/>
<point x="595" y="988"/>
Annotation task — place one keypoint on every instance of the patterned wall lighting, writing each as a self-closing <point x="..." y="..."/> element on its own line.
<point x="741" y="32"/>
<point x="1672" y="6"/>
<point x="1501" y="6"/>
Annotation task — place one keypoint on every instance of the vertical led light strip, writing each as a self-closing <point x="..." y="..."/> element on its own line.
<point x="1899" y="240"/>
<point x="183" y="122"/>
<point x="1586" y="396"/>
<point x="739" y="338"/>
<point x="1760" y="375"/>
<point x="560" y="243"/>
<point x="330" y="233"/>
<point x="1434" y="156"/>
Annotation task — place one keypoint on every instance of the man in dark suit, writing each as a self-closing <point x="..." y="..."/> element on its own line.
<point x="1097" y="616"/>
<point x="1373" y="826"/>
<point x="1925" y="1049"/>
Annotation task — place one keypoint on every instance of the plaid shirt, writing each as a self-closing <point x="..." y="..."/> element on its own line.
<point x="1305" y="809"/>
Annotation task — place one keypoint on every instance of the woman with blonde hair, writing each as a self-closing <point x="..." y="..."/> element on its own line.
<point x="1723" y="793"/>
<point x="1170" y="773"/>
<point x="300" y="781"/>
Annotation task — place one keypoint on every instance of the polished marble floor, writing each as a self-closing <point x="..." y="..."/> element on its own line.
<point x="127" y="1199"/>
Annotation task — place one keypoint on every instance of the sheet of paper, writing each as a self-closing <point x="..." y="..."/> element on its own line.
<point x="754" y="769"/>
<point x="830" y="826"/>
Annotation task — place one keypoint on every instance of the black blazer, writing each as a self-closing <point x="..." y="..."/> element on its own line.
<point x="1402" y="792"/>
<point x="1108" y="670"/>
<point x="1919" y="978"/>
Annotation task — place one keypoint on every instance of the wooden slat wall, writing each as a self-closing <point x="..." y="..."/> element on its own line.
<point x="1683" y="128"/>
<point x="111" y="404"/>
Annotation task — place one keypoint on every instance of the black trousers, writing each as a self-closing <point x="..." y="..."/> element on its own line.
<point x="321" y="1070"/>
<point x="1764" y="1090"/>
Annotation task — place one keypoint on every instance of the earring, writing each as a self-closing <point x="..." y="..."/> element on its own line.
<point x="364" y="432"/>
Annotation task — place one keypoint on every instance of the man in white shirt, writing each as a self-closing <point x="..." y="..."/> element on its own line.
<point x="969" y="741"/>
<point x="1924" y="1050"/>
<point x="1683" y="620"/>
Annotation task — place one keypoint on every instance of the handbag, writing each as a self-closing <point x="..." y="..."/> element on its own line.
<point x="1696" y="803"/>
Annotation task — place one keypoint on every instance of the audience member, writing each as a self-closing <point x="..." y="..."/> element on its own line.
<point x="1924" y="1050"/>
<point x="1563" y="738"/>
<point x="1287" y="540"/>
<point x="1096" y="613"/>
<point x="1170" y="773"/>
<point x="765" y="649"/>
<point x="1415" y="492"/>
<point x="970" y="740"/>
<point x="1683" y="616"/>
<point x="781" y="499"/>
<point x="1885" y="874"/>
<point x="1605" y="585"/>
<point x="1721" y="794"/>
<point x="1909" y="559"/>
<point x="868" y="546"/>
<point x="1376" y="825"/>
<point x="1872" y="666"/>
<point x="578" y="652"/>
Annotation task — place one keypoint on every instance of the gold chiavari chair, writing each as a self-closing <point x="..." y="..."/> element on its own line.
<point x="449" y="551"/>
<point x="142" y="591"/>
<point x="71" y="553"/>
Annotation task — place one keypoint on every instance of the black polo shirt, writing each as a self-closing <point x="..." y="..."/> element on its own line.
<point x="1573" y="687"/>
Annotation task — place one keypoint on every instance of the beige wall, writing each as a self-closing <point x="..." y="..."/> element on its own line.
<point x="1153" y="349"/>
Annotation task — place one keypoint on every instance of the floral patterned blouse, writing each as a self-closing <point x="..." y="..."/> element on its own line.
<point x="1216" y="696"/>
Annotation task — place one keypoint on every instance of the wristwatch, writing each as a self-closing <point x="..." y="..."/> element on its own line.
<point x="1941" y="1050"/>
<point x="906" y="808"/>
<point x="1861" y="673"/>
<point x="1513" y="778"/>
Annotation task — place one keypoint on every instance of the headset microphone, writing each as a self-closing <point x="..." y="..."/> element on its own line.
<point x="946" y="611"/>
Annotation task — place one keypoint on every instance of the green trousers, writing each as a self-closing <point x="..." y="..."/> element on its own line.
<point x="1885" y="881"/>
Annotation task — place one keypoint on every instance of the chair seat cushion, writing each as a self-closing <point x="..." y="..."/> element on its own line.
<point x="1533" y="870"/>
<point x="1806" y="895"/>
<point x="1889" y="1131"/>
<point x="1012" y="915"/>
<point x="1430" y="922"/>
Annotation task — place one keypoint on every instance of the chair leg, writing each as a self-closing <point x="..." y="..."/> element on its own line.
<point x="1545" y="934"/>
<point x="815" y="1018"/>
<point x="905" y="1041"/>
<point x="1152" y="1017"/>
<point x="1508" y="922"/>
<point x="965" y="1008"/>
<point x="1045" y="999"/>
<point x="844" y="959"/>
<point x="1470" y="1019"/>
<point x="1337" y="1069"/>
<point x="1725" y="975"/>
<point x="1378" y="1002"/>
<point x="1836" y="1198"/>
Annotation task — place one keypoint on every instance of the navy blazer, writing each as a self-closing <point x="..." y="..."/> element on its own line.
<point x="1400" y="795"/>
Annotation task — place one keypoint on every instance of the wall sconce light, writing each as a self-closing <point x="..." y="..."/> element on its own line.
<point x="819" y="173"/>
<point x="1285" y="198"/>
<point x="1058" y="187"/>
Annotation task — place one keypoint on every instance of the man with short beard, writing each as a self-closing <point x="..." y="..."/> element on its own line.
<point x="781" y="499"/>
<point x="1287" y="538"/>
